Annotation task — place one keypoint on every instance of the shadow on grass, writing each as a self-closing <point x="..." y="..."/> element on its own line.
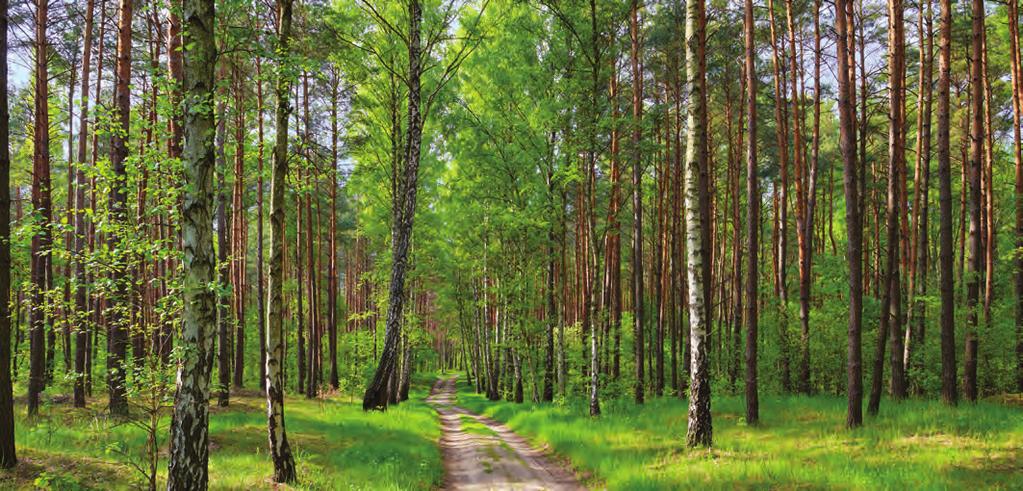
<point x="335" y="444"/>
<point x="50" y="470"/>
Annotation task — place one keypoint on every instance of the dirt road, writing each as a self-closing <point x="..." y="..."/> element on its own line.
<point x="482" y="454"/>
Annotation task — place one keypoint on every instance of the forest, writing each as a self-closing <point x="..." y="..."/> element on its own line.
<point x="511" y="244"/>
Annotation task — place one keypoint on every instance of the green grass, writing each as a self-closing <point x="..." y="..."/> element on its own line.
<point x="800" y="443"/>
<point x="336" y="446"/>
<point x="470" y="425"/>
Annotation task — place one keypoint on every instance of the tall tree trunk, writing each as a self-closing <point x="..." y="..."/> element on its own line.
<point x="69" y="217"/>
<point x="239" y="227"/>
<point x="591" y="256"/>
<point x="976" y="260"/>
<point x="782" y="206"/>
<point x="915" y="330"/>
<point x="280" y="451"/>
<point x="401" y="233"/>
<point x="114" y="312"/>
<point x="551" y="312"/>
<point x="806" y="261"/>
<point x="803" y="239"/>
<point x="189" y="440"/>
<point x="310" y="266"/>
<point x="697" y="233"/>
<point x="637" y="206"/>
<point x="8" y="454"/>
<point x="260" y="269"/>
<point x="41" y="241"/>
<point x="890" y="284"/>
<point x="752" y="218"/>
<point x="223" y="302"/>
<point x="1017" y="147"/>
<point x="847" y="144"/>
<point x="81" y="298"/>
<point x="987" y="175"/>
<point x="332" y="278"/>
<point x="896" y="198"/>
<point x="949" y="391"/>
<point x="300" y="358"/>
<point x="612" y="240"/>
<point x="96" y="318"/>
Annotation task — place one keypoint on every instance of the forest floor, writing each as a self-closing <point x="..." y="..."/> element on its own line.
<point x="482" y="454"/>
<point x="800" y="443"/>
<point x="336" y="445"/>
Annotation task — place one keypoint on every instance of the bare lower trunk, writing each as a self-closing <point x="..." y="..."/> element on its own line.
<point x="697" y="233"/>
<point x="949" y="391"/>
<point x="115" y="317"/>
<point x="81" y="298"/>
<point x="752" y="219"/>
<point x="40" y="202"/>
<point x="976" y="259"/>
<point x="223" y="309"/>
<point x="854" y="387"/>
<point x="637" y="210"/>
<point x="260" y="266"/>
<point x="1017" y="108"/>
<point x="914" y="335"/>
<point x="332" y="278"/>
<point x="8" y="456"/>
<point x="280" y="451"/>
<point x="189" y="440"/>
<point x="401" y="234"/>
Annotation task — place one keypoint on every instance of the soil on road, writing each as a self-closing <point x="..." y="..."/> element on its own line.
<point x="482" y="454"/>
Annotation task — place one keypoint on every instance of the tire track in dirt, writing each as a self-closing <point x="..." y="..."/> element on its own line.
<point x="482" y="454"/>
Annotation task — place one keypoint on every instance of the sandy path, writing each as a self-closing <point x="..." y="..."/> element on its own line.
<point x="490" y="456"/>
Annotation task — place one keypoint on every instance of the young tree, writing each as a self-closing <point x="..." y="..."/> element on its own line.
<point x="697" y="221"/>
<point x="189" y="441"/>
<point x="280" y="451"/>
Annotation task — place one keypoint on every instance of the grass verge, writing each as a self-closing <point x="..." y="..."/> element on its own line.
<point x="336" y="446"/>
<point x="800" y="443"/>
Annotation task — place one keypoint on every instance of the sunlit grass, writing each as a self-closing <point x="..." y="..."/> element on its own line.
<point x="336" y="446"/>
<point x="801" y="442"/>
<point x="470" y="425"/>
